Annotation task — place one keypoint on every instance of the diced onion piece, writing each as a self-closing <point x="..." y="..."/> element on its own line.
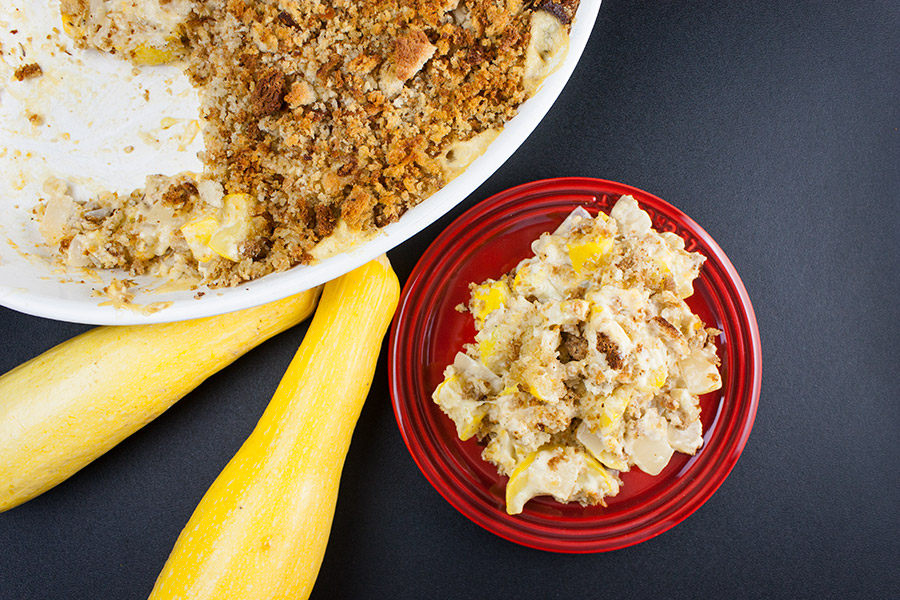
<point x="629" y="216"/>
<point x="576" y="216"/>
<point x="60" y="209"/>
<point x="466" y="364"/>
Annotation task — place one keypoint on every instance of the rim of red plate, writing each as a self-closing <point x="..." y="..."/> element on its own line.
<point x="495" y="234"/>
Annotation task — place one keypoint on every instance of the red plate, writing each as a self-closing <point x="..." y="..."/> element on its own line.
<point x="489" y="240"/>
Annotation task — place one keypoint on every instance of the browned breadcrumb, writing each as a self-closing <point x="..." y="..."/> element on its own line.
<point x="610" y="349"/>
<point x="335" y="111"/>
<point x="28" y="71"/>
<point x="573" y="347"/>
<point x="268" y="95"/>
<point x="178" y="194"/>
<point x="667" y="327"/>
<point x="411" y="51"/>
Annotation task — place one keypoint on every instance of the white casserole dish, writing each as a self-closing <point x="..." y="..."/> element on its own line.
<point x="91" y="107"/>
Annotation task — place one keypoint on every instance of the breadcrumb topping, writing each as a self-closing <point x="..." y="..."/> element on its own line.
<point x="327" y="116"/>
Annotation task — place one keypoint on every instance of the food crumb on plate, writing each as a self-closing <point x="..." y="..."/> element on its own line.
<point x="28" y="71"/>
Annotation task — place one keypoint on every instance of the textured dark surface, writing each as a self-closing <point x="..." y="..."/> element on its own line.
<point x="775" y="126"/>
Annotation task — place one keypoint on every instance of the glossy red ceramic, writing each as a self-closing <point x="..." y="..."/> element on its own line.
<point x="427" y="332"/>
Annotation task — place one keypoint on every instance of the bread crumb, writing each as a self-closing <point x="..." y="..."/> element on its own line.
<point x="411" y="52"/>
<point x="29" y="71"/>
<point x="326" y="116"/>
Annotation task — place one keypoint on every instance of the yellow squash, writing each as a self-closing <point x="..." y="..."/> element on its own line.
<point x="64" y="408"/>
<point x="261" y="529"/>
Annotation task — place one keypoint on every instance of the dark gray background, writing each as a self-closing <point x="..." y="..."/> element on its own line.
<point x="775" y="126"/>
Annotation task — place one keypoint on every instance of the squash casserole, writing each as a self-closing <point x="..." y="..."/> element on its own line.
<point x="587" y="361"/>
<point x="322" y="122"/>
